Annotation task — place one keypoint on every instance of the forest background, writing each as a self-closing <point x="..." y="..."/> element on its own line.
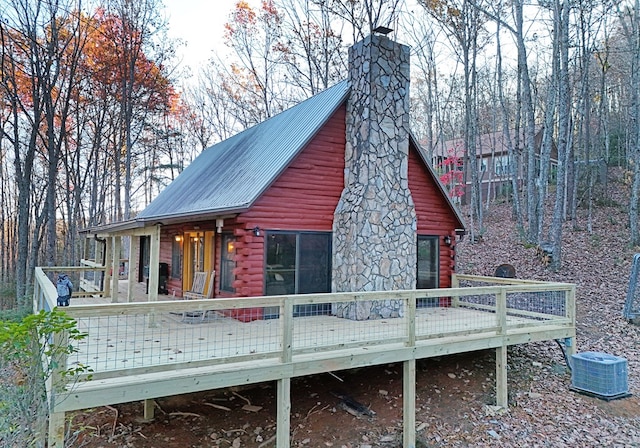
<point x="97" y="114"/>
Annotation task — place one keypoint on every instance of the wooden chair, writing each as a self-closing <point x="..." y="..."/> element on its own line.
<point x="206" y="295"/>
<point x="197" y="288"/>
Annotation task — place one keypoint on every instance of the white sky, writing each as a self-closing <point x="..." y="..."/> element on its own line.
<point x="200" y="23"/>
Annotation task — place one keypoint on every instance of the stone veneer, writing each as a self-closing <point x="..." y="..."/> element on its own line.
<point x="374" y="226"/>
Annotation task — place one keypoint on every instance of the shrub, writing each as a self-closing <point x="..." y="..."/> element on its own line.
<point x="30" y="354"/>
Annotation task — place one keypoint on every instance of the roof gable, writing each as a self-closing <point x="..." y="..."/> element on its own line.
<point x="229" y="176"/>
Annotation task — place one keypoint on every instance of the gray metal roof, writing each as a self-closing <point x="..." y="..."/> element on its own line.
<point x="229" y="176"/>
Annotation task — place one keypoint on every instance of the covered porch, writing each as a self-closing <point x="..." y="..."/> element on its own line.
<point x="144" y="350"/>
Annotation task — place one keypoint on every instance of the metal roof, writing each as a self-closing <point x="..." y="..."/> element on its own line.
<point x="229" y="176"/>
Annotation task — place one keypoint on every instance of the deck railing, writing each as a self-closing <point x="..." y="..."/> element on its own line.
<point x="155" y="336"/>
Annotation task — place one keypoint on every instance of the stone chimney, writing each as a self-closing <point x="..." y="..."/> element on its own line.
<point x="374" y="225"/>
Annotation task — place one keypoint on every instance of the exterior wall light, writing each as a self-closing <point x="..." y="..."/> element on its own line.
<point x="257" y="231"/>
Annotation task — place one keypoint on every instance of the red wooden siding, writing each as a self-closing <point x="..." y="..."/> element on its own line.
<point x="434" y="214"/>
<point x="303" y="198"/>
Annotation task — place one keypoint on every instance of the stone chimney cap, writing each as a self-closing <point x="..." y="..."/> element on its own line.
<point x="382" y="30"/>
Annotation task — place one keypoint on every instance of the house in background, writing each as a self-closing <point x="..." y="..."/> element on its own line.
<point x="493" y="162"/>
<point x="333" y="194"/>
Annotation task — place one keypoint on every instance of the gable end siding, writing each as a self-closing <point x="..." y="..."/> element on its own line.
<point x="433" y="213"/>
<point x="303" y="198"/>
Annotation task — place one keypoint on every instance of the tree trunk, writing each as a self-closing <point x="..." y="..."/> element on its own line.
<point x="561" y="13"/>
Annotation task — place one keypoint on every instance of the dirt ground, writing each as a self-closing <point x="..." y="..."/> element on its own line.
<point x="355" y="408"/>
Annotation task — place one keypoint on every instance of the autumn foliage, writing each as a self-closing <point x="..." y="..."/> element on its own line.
<point x="451" y="174"/>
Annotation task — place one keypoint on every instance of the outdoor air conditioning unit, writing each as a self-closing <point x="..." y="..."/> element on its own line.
<point x="599" y="374"/>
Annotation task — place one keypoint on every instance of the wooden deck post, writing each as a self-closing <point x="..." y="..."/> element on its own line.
<point x="149" y="409"/>
<point x="455" y="283"/>
<point x="409" y="404"/>
<point x="502" y="399"/>
<point x="501" y="352"/>
<point x="54" y="382"/>
<point x="55" y="437"/>
<point x="283" y="425"/>
<point x="570" y="303"/>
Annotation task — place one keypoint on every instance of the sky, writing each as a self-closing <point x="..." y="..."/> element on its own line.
<point x="200" y="23"/>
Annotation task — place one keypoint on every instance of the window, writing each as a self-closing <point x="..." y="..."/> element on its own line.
<point x="502" y="166"/>
<point x="196" y="249"/>
<point x="298" y="263"/>
<point x="227" y="262"/>
<point x="428" y="271"/>
<point x="176" y="258"/>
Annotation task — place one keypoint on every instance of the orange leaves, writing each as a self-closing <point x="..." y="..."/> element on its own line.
<point x="115" y="57"/>
<point x="243" y="17"/>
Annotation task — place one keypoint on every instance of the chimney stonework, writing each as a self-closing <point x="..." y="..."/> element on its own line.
<point x="374" y="226"/>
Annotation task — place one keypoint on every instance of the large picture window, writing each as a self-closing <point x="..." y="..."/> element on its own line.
<point x="428" y="271"/>
<point x="298" y="263"/>
<point x="227" y="262"/>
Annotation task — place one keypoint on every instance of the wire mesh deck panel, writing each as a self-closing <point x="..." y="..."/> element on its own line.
<point x="232" y="341"/>
<point x="173" y="333"/>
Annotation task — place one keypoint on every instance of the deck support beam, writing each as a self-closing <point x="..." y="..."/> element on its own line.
<point x="409" y="403"/>
<point x="56" y="430"/>
<point x="284" y="413"/>
<point x="502" y="399"/>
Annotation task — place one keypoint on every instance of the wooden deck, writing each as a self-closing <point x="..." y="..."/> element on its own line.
<point x="145" y="350"/>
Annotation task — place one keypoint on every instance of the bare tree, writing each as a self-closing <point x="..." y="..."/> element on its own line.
<point x="138" y="21"/>
<point x="629" y="17"/>
<point x="464" y="24"/>
<point x="43" y="43"/>
<point x="254" y="36"/>
<point x="363" y="16"/>
<point x="561" y="10"/>
<point x="312" y="50"/>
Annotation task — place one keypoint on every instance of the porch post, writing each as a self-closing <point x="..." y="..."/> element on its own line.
<point x="116" y="244"/>
<point x="154" y="263"/>
<point x="409" y="404"/>
<point x="283" y="425"/>
<point x="134" y="251"/>
<point x="108" y="248"/>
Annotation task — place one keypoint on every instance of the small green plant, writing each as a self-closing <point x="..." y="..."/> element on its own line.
<point x="32" y="351"/>
<point x="596" y="241"/>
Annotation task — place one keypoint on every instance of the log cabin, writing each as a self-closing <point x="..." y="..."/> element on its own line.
<point x="333" y="194"/>
<point x="330" y="210"/>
